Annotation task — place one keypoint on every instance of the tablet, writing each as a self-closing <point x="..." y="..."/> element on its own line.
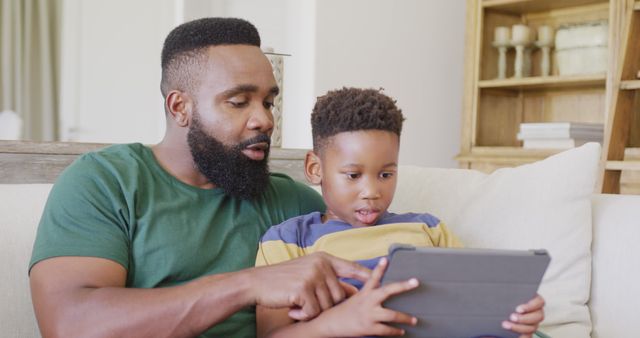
<point x="463" y="293"/>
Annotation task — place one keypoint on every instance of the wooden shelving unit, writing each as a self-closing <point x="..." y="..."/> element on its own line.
<point x="494" y="108"/>
<point x="542" y="82"/>
<point x="623" y="120"/>
<point x="630" y="84"/>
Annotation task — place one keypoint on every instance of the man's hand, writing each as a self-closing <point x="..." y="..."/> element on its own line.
<point x="309" y="284"/>
<point x="527" y="318"/>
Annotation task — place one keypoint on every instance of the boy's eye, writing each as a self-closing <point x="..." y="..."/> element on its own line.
<point x="268" y="104"/>
<point x="352" y="176"/>
<point x="386" y="175"/>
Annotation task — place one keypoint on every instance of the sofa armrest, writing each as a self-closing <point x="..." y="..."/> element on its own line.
<point x="616" y="266"/>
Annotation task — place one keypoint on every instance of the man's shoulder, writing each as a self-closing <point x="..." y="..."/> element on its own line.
<point x="110" y="168"/>
<point x="285" y="181"/>
<point x="285" y="191"/>
<point x="115" y="153"/>
<point x="112" y="160"/>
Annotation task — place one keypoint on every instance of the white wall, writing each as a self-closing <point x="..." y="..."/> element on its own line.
<point x="110" y="72"/>
<point x="411" y="48"/>
<point x="288" y="26"/>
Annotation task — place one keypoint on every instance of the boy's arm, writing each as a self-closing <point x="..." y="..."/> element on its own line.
<point x="268" y="320"/>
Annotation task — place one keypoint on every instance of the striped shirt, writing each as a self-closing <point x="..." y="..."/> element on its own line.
<point x="306" y="234"/>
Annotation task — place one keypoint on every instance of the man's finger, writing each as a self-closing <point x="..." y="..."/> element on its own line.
<point x="347" y="269"/>
<point x="349" y="289"/>
<point x="297" y="314"/>
<point x="338" y="292"/>
<point x="325" y="299"/>
<point x="310" y="308"/>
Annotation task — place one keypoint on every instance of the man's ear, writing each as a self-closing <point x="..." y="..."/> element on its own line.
<point x="178" y="105"/>
<point x="312" y="168"/>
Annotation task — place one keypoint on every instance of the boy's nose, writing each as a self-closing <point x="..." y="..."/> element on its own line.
<point x="370" y="192"/>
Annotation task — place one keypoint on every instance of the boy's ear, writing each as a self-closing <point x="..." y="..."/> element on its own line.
<point x="312" y="168"/>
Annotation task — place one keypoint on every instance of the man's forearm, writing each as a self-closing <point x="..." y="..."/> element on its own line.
<point x="181" y="311"/>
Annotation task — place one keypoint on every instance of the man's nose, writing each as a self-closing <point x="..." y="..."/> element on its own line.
<point x="261" y="119"/>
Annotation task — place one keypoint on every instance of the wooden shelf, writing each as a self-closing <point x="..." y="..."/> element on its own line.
<point x="623" y="165"/>
<point x="631" y="161"/>
<point x="529" y="6"/>
<point x="630" y="84"/>
<point x="507" y="155"/>
<point x="540" y="82"/>
<point x="518" y="154"/>
<point x="493" y="109"/>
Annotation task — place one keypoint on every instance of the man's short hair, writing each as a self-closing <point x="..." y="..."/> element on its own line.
<point x="353" y="109"/>
<point x="183" y="49"/>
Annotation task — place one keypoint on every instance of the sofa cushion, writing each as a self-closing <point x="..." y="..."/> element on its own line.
<point x="540" y="205"/>
<point x="21" y="206"/>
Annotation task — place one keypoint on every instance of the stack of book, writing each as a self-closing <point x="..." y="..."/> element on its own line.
<point x="559" y="135"/>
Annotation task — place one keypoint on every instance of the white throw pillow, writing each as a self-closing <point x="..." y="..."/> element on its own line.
<point x="540" y="205"/>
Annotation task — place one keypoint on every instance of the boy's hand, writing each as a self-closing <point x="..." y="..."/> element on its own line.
<point x="527" y="318"/>
<point x="363" y="314"/>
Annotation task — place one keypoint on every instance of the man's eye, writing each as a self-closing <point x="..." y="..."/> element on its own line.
<point x="268" y="105"/>
<point x="238" y="104"/>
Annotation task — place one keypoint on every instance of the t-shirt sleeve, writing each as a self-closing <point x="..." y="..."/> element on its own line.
<point x="447" y="239"/>
<point x="439" y="234"/>
<point x="85" y="215"/>
<point x="274" y="247"/>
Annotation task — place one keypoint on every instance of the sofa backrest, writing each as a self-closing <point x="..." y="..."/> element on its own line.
<point x="616" y="231"/>
<point x="20" y="210"/>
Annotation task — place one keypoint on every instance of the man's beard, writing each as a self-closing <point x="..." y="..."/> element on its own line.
<point x="226" y="166"/>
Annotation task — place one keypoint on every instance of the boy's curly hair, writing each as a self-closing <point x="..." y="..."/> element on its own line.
<point x="353" y="109"/>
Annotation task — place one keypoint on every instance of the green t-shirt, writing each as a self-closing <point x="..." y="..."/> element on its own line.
<point x="119" y="204"/>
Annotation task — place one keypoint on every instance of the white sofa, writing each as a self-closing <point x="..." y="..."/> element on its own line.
<point x="610" y="292"/>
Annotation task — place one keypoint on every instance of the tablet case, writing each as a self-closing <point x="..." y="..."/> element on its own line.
<point x="463" y="293"/>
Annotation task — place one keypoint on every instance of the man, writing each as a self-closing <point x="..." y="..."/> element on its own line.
<point x="157" y="242"/>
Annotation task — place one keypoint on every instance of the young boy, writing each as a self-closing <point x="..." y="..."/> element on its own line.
<point x="356" y="136"/>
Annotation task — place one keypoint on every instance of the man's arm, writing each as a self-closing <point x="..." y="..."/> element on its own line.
<point x="86" y="297"/>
